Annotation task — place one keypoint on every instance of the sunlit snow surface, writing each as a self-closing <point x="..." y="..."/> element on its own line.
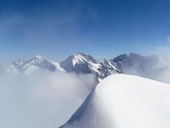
<point x="125" y="101"/>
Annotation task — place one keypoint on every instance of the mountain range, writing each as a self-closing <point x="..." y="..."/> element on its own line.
<point x="80" y="63"/>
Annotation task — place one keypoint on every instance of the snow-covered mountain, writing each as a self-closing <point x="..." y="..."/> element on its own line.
<point x="146" y="66"/>
<point x="34" y="64"/>
<point x="138" y="62"/>
<point x="124" y="101"/>
<point x="81" y="63"/>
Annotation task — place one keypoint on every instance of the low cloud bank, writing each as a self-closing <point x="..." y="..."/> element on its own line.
<point x="160" y="74"/>
<point x="41" y="99"/>
<point x="154" y="67"/>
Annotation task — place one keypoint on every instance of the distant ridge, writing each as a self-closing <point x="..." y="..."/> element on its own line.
<point x="81" y="63"/>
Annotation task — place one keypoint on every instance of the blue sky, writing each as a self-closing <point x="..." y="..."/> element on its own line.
<point x="102" y="28"/>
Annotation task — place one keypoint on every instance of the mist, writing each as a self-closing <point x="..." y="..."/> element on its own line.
<point x="155" y="68"/>
<point x="41" y="99"/>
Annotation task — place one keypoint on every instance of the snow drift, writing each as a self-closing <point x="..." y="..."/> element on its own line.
<point x="124" y="101"/>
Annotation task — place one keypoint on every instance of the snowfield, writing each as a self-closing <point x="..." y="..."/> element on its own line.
<point x="124" y="101"/>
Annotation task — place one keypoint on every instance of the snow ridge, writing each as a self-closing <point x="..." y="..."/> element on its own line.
<point x="124" y="101"/>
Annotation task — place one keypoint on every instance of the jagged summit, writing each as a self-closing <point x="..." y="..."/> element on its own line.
<point x="138" y="62"/>
<point x="125" y="57"/>
<point x="82" y="63"/>
<point x="79" y="58"/>
<point x="36" y="63"/>
<point x="37" y="60"/>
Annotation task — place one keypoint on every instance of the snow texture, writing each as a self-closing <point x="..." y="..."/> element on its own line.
<point x="124" y="101"/>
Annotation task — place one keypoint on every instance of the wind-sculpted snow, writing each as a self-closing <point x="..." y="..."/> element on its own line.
<point x="124" y="101"/>
<point x="41" y="99"/>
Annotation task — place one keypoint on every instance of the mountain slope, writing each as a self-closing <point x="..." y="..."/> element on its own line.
<point x="145" y="66"/>
<point x="34" y="64"/>
<point x="124" y="101"/>
<point x="84" y="64"/>
<point x="138" y="62"/>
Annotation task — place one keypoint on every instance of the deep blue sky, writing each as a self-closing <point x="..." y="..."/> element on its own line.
<point x="102" y="28"/>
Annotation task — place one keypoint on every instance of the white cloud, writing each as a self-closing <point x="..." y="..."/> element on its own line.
<point x="169" y="39"/>
<point x="41" y="99"/>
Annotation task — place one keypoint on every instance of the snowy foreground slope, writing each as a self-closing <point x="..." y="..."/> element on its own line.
<point x="124" y="101"/>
